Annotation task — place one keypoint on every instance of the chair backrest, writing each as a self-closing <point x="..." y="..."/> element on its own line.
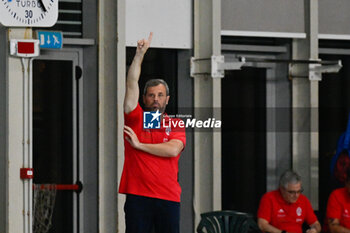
<point x="227" y="221"/>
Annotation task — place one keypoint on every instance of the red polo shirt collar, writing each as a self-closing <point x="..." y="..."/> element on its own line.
<point x="281" y="199"/>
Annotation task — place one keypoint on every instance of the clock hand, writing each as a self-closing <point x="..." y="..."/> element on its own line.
<point x="42" y="5"/>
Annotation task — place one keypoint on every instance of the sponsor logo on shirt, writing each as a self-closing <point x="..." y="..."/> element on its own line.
<point x="151" y="120"/>
<point x="281" y="213"/>
<point x="299" y="220"/>
<point x="346" y="213"/>
<point x="299" y="211"/>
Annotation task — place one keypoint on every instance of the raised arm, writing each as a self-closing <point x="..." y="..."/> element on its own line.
<point x="132" y="85"/>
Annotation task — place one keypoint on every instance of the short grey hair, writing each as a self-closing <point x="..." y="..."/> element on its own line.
<point x="155" y="82"/>
<point x="289" y="177"/>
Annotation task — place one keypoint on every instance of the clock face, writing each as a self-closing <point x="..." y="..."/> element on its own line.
<point x="28" y="13"/>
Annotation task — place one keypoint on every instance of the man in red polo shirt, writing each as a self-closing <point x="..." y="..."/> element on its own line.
<point x="338" y="208"/>
<point x="150" y="173"/>
<point x="285" y="209"/>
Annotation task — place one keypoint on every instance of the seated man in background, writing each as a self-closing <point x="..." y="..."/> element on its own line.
<point x="285" y="209"/>
<point x="338" y="208"/>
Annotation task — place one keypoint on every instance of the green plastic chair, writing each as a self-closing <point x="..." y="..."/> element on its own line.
<point x="227" y="221"/>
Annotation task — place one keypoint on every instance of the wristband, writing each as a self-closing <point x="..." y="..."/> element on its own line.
<point x="283" y="231"/>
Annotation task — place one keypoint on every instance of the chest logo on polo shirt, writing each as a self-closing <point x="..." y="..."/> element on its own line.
<point x="168" y="130"/>
<point x="281" y="213"/>
<point x="299" y="211"/>
<point x="346" y="213"/>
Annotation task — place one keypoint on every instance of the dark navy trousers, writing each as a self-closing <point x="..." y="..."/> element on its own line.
<point x="142" y="214"/>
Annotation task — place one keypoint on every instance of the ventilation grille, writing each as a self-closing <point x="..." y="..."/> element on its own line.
<point x="70" y="20"/>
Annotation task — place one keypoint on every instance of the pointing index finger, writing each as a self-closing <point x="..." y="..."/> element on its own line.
<point x="150" y="37"/>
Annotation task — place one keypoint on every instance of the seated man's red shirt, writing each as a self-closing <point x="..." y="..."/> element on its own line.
<point x="338" y="206"/>
<point x="283" y="215"/>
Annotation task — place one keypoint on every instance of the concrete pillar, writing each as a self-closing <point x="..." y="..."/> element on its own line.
<point x="305" y="107"/>
<point x="111" y="63"/>
<point x="121" y="71"/>
<point x="207" y="94"/>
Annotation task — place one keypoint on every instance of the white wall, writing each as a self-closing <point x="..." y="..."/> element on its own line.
<point x="169" y="20"/>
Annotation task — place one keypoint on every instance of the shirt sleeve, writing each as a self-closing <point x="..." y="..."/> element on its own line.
<point x="333" y="207"/>
<point x="178" y="133"/>
<point x="310" y="214"/>
<point x="265" y="208"/>
<point x="133" y="118"/>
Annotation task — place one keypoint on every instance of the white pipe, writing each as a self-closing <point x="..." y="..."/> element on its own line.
<point x="30" y="144"/>
<point x="25" y="148"/>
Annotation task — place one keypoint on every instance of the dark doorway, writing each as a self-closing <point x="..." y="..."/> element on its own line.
<point x="243" y="139"/>
<point x="53" y="134"/>
<point x="334" y="102"/>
